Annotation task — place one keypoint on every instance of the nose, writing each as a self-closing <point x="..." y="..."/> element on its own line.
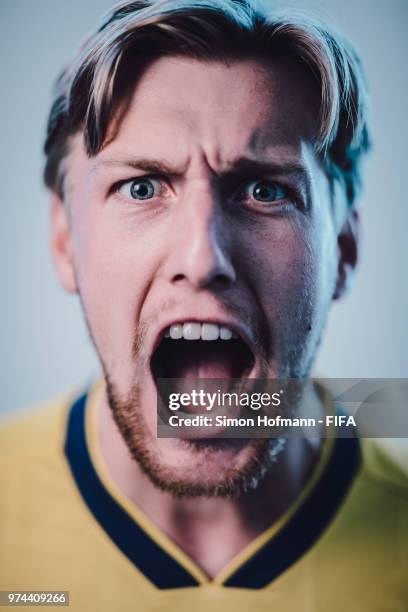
<point x="200" y="252"/>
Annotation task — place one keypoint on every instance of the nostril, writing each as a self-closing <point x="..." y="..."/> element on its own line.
<point x="178" y="277"/>
<point x="202" y="270"/>
<point x="222" y="280"/>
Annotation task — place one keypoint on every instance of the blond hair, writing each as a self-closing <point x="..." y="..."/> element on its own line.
<point x="91" y="88"/>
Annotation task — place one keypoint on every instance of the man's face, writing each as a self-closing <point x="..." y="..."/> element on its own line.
<point x="208" y="206"/>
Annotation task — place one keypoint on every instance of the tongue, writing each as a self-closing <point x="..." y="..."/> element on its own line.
<point x="214" y="368"/>
<point x="191" y="359"/>
<point x="206" y="360"/>
<point x="191" y="364"/>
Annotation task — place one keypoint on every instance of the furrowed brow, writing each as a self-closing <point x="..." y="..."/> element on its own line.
<point x="150" y="166"/>
<point x="251" y="167"/>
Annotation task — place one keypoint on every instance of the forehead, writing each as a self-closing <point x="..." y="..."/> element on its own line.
<point x="180" y="105"/>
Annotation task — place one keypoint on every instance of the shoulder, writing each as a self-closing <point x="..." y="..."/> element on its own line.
<point x="34" y="474"/>
<point x="385" y="464"/>
<point x="35" y="433"/>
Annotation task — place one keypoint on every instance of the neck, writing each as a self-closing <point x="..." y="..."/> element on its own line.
<point x="211" y="531"/>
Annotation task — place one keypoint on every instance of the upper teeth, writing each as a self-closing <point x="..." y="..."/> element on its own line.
<point x="199" y="331"/>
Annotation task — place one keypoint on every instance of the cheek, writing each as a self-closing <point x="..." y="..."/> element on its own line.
<point x="292" y="273"/>
<point x="114" y="269"/>
<point x="283" y="262"/>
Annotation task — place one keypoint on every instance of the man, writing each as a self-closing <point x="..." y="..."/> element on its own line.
<point x="204" y="164"/>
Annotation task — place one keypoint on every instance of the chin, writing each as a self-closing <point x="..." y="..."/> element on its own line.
<point x="190" y="468"/>
<point x="207" y="468"/>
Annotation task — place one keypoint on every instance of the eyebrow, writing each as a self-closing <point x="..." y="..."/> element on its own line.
<point x="238" y="167"/>
<point x="151" y="166"/>
<point x="247" y="165"/>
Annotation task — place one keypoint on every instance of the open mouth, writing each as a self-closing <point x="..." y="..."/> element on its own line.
<point x="194" y="350"/>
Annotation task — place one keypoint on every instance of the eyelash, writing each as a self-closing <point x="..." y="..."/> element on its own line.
<point x="149" y="177"/>
<point x="293" y="195"/>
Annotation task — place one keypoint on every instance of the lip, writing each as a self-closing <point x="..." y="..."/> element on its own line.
<point x="242" y="330"/>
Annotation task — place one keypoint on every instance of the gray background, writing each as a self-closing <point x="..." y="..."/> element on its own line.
<point x="44" y="348"/>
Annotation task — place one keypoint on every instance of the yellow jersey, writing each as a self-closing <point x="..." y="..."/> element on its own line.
<point x="64" y="525"/>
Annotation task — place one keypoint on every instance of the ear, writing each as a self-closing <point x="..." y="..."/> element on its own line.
<point x="61" y="244"/>
<point x="348" y="247"/>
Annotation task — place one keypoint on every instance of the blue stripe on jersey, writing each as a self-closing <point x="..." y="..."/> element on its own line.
<point x="276" y="556"/>
<point x="306" y="525"/>
<point x="159" y="567"/>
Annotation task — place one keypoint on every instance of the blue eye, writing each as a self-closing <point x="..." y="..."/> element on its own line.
<point x="140" y="189"/>
<point x="264" y="191"/>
